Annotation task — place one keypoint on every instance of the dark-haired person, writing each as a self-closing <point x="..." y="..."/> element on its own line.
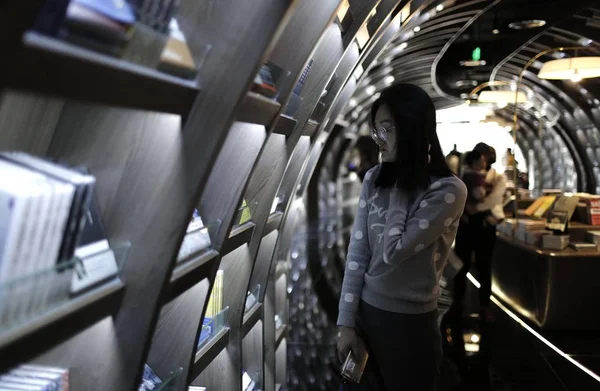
<point x="477" y="234"/>
<point x="408" y="213"/>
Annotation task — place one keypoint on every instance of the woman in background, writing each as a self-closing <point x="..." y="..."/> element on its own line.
<point x="409" y="210"/>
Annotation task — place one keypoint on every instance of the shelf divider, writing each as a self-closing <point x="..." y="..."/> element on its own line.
<point x="55" y="67"/>
<point x="273" y="223"/>
<point x="285" y="125"/>
<point x="49" y="329"/>
<point x="188" y="273"/>
<point x="257" y="109"/>
<point x="239" y="236"/>
<point x="280" y="334"/>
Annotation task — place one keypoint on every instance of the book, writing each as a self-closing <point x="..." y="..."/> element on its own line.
<point x="84" y="188"/>
<point x="562" y="210"/>
<point x="176" y="57"/>
<point x="590" y="247"/>
<point x="150" y="380"/>
<point x="555" y="242"/>
<point x="544" y="206"/>
<point x="593" y="237"/>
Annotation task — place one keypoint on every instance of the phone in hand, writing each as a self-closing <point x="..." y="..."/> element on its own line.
<point x="353" y="367"/>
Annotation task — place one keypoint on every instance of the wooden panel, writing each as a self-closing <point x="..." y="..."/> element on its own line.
<point x="293" y="170"/>
<point x="360" y="11"/>
<point x="238" y="237"/>
<point x="292" y="53"/>
<point x="174" y="338"/>
<point x="223" y="373"/>
<point x="253" y="354"/>
<point x="269" y="338"/>
<point x="27" y="122"/>
<point x="188" y="273"/>
<point x="251" y="318"/>
<point x="257" y="109"/>
<point x="229" y="175"/>
<point x="310" y="128"/>
<point x="263" y="261"/>
<point x="135" y="158"/>
<point x="281" y="363"/>
<point x="273" y="223"/>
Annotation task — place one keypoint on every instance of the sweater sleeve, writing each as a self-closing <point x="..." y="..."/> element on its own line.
<point x="496" y="195"/>
<point x="405" y="235"/>
<point x="357" y="261"/>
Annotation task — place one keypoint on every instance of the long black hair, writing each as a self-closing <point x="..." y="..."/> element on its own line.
<point x="413" y="113"/>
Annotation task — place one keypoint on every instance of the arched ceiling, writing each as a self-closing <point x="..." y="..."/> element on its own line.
<point x="431" y="44"/>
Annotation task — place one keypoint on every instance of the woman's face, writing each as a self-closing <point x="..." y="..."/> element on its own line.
<point x="383" y="118"/>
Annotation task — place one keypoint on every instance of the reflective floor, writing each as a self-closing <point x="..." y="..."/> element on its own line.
<point x="507" y="356"/>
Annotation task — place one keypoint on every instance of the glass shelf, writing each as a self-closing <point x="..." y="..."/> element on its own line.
<point x="32" y="294"/>
<point x="170" y="384"/>
<point x="278" y="204"/>
<point x="198" y="238"/>
<point x="211" y="327"/>
<point x="245" y="213"/>
<point x="252" y="299"/>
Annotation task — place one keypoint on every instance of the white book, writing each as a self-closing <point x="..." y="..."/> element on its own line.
<point x="55" y="285"/>
<point x="21" y="186"/>
<point x="24" y="293"/>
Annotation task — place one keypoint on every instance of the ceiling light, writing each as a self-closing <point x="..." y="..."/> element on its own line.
<point x="574" y="68"/>
<point x="440" y="7"/>
<point x="417" y="29"/>
<point x="352" y="102"/>
<point x="474" y="338"/>
<point x="471" y="63"/>
<point x="495" y="31"/>
<point x="502" y="104"/>
<point x="527" y="24"/>
<point x="584" y="41"/>
<point x="370" y="90"/>
<point x="502" y="97"/>
<point x="389" y="80"/>
<point x="403" y="46"/>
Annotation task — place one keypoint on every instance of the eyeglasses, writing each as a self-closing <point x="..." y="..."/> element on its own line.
<point x="379" y="133"/>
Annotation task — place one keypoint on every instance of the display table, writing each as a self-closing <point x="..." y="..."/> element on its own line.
<point x="556" y="290"/>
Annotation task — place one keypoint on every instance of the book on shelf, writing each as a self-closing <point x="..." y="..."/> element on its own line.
<point x="43" y="209"/>
<point x="176" y="57"/>
<point x="213" y="309"/>
<point x="263" y="82"/>
<point x="593" y="237"/>
<point x="196" y="388"/>
<point x="196" y="239"/>
<point x="558" y="217"/>
<point x="544" y="206"/>
<point x="35" y="377"/>
<point x="246" y="213"/>
<point x="584" y="247"/>
<point x="555" y="242"/>
<point x="150" y="380"/>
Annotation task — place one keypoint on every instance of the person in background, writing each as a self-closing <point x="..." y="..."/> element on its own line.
<point x="474" y="177"/>
<point x="477" y="234"/>
<point x="408" y="214"/>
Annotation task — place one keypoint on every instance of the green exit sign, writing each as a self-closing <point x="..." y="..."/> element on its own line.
<point x="476" y="55"/>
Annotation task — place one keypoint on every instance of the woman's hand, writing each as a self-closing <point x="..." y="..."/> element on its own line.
<point x="350" y="341"/>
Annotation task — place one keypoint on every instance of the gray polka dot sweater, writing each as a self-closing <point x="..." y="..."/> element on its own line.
<point x="399" y="247"/>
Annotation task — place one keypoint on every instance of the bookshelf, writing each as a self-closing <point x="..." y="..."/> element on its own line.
<point x="161" y="146"/>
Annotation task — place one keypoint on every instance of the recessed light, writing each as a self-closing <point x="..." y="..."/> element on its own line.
<point x="584" y="41"/>
<point x="466" y="83"/>
<point x="440" y="7"/>
<point x="495" y="31"/>
<point x="527" y="24"/>
<point x="417" y="29"/>
<point x="389" y="80"/>
<point x="403" y="46"/>
<point x="370" y="90"/>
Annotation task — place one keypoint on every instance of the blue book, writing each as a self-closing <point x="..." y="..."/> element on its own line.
<point x="207" y="331"/>
<point x="150" y="380"/>
<point x="117" y="10"/>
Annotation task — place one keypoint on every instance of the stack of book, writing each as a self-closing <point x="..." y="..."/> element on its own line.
<point x="105" y="26"/>
<point x="245" y="214"/>
<point x="176" y="58"/>
<point x="531" y="231"/>
<point x="196" y="239"/>
<point x="211" y="323"/>
<point x="43" y="209"/>
<point x="263" y="82"/>
<point x="555" y="242"/>
<point x="35" y="378"/>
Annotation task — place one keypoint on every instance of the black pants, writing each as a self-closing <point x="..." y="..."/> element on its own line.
<point x="477" y="237"/>
<point x="405" y="350"/>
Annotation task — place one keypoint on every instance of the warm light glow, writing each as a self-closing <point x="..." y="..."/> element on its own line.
<point x="362" y="37"/>
<point x="352" y="102"/>
<point x="405" y="13"/>
<point x="498" y="96"/>
<point x="475" y="338"/>
<point x="417" y="29"/>
<point x="567" y="68"/>
<point x="343" y="9"/>
<point x="501" y="105"/>
<point x="576" y="78"/>
<point x="535" y="333"/>
<point x="370" y="90"/>
<point x="389" y="80"/>
<point x="403" y="45"/>
<point x="495" y="31"/>
<point x="440" y="7"/>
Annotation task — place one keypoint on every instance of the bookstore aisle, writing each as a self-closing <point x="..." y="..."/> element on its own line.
<point x="173" y="212"/>
<point x="154" y="156"/>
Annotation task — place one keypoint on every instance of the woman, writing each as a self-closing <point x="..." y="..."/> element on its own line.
<point x="478" y="235"/>
<point x="408" y="212"/>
